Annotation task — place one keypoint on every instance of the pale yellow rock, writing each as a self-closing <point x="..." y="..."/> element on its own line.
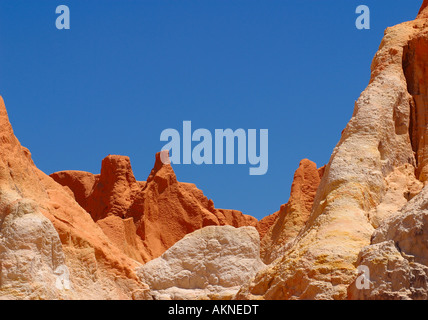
<point x="397" y="259"/>
<point x="401" y="186"/>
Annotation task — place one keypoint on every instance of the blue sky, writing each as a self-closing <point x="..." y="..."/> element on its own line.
<point x="126" y="70"/>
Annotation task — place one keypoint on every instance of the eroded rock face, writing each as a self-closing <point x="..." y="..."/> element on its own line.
<point x="292" y="216"/>
<point x="32" y="263"/>
<point x="376" y="143"/>
<point x="397" y="259"/>
<point x="166" y="210"/>
<point x="161" y="210"/>
<point x="38" y="255"/>
<point x="415" y="67"/>
<point x="123" y="233"/>
<point x="114" y="190"/>
<point x="401" y="186"/>
<point x="210" y="263"/>
<point x="80" y="184"/>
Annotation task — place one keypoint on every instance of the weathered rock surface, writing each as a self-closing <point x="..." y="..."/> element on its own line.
<point x="81" y="184"/>
<point x="379" y="139"/>
<point x="52" y="248"/>
<point x="123" y="234"/>
<point x="401" y="186"/>
<point x="68" y="257"/>
<point x="167" y="210"/>
<point x="292" y="216"/>
<point x="32" y="261"/>
<point x="162" y="210"/>
<point x="397" y="259"/>
<point x="210" y="263"/>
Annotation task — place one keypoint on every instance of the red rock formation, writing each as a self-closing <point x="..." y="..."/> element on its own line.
<point x="266" y="223"/>
<point x="292" y="217"/>
<point x="123" y="233"/>
<point x="162" y="209"/>
<point x="423" y="12"/>
<point x="82" y="184"/>
<point x="114" y="190"/>
<point x="415" y="67"/>
<point x="17" y="170"/>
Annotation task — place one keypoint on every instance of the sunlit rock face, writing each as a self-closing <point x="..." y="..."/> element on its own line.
<point x="210" y="263"/>
<point x="376" y="168"/>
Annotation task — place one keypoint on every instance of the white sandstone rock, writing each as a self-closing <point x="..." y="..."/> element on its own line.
<point x="31" y="257"/>
<point x="209" y="263"/>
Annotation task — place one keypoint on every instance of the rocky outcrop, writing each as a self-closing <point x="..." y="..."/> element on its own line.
<point x="123" y="234"/>
<point x="32" y="263"/>
<point x="158" y="212"/>
<point x="415" y="62"/>
<point x="167" y="210"/>
<point x="80" y="184"/>
<point x="67" y="255"/>
<point x="292" y="216"/>
<point x="114" y="190"/>
<point x="378" y="140"/>
<point x="401" y="186"/>
<point x="83" y="239"/>
<point x="210" y="263"/>
<point x="396" y="262"/>
<point x="264" y="225"/>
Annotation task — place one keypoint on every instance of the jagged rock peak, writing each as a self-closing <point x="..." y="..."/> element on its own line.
<point x="162" y="168"/>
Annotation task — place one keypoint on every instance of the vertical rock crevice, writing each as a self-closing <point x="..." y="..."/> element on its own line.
<point x="415" y="67"/>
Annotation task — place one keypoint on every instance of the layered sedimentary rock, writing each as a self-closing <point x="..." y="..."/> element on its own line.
<point x="379" y="140"/>
<point x="210" y="263"/>
<point x="153" y="214"/>
<point x="66" y="256"/>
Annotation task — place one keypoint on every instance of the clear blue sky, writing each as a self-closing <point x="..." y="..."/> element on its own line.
<point x="129" y="69"/>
